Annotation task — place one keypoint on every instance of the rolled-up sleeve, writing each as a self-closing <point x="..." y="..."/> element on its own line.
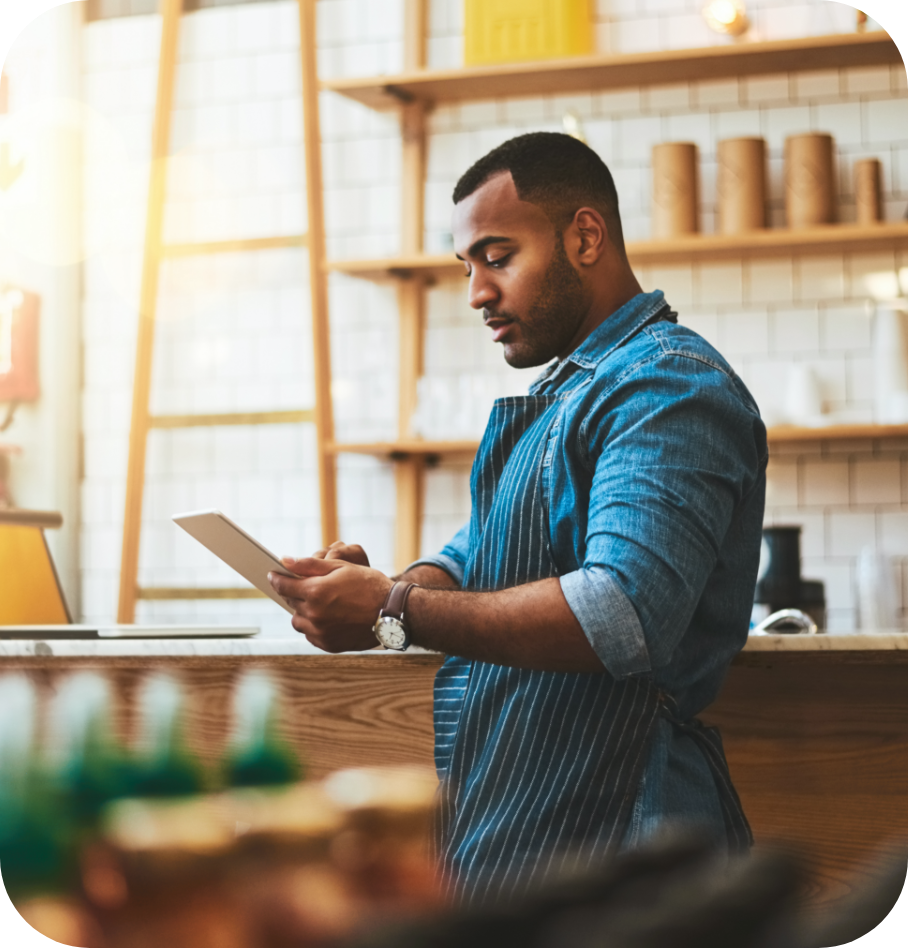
<point x="673" y="450"/>
<point x="453" y="556"/>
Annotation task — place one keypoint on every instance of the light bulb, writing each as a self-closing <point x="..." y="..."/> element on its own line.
<point x="726" y="16"/>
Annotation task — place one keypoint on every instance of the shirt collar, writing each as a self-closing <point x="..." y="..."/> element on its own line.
<point x="608" y="335"/>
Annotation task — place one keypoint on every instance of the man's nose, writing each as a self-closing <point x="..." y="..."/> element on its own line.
<point x="482" y="291"/>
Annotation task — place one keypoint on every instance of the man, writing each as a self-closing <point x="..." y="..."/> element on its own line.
<point x="591" y="607"/>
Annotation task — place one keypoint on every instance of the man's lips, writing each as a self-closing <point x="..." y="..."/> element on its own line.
<point x="499" y="327"/>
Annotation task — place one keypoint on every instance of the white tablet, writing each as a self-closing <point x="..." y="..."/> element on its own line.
<point x="235" y="547"/>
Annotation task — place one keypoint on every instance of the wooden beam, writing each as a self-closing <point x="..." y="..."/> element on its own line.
<point x="148" y="300"/>
<point x="409" y="471"/>
<point x="43" y="519"/>
<point x="408" y="480"/>
<point x="233" y="246"/>
<point x="415" y="34"/>
<point x="232" y="418"/>
<point x="318" y="276"/>
<point x="599" y="73"/>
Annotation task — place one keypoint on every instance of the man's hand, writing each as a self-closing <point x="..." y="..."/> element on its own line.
<point x="335" y="601"/>
<point x="348" y="552"/>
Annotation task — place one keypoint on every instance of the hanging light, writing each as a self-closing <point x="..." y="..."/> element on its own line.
<point x="726" y="16"/>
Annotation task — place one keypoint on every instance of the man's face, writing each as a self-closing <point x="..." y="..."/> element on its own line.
<point x="531" y="296"/>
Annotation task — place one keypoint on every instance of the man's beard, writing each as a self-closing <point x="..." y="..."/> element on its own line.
<point x="553" y="316"/>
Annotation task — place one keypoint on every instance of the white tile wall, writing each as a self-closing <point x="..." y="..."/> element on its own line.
<point x="238" y="172"/>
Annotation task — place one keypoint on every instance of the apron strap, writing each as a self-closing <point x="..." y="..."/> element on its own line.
<point x="708" y="739"/>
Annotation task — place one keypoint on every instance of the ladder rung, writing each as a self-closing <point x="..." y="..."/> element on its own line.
<point x="233" y="246"/>
<point x="161" y="593"/>
<point x="232" y="418"/>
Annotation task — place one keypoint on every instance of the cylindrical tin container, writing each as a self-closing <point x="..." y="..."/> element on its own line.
<point x="868" y="190"/>
<point x="676" y="191"/>
<point x="809" y="180"/>
<point x="742" y="185"/>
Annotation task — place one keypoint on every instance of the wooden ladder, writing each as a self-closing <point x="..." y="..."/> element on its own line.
<point x="155" y="252"/>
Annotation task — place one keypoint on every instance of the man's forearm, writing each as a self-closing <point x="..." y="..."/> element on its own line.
<point x="528" y="626"/>
<point x="433" y="577"/>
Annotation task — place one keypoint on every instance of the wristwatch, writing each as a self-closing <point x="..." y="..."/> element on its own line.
<point x="389" y="627"/>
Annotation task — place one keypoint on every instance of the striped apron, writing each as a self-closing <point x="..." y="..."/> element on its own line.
<point x="513" y="812"/>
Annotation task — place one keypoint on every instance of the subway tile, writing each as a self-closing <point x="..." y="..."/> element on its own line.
<point x="842" y="120"/>
<point x="779" y="124"/>
<point x="720" y="283"/>
<point x="845" y="327"/>
<point x="859" y="379"/>
<point x="838" y="581"/>
<point x="635" y="36"/>
<point x="782" y="483"/>
<point x="824" y="483"/>
<point x="820" y="278"/>
<point x="876" y="481"/>
<point x="667" y="98"/>
<point x="760" y="90"/>
<point x="635" y="138"/>
<point x="850" y="532"/>
<point x="600" y="136"/>
<point x="478" y="114"/>
<point x="524" y="110"/>
<point x="691" y="127"/>
<point x="580" y="103"/>
<point x="768" y="281"/>
<point x="737" y="124"/>
<point x="887" y="120"/>
<point x="676" y="283"/>
<point x="744" y="332"/>
<point x="718" y="93"/>
<point x="766" y="378"/>
<point x="602" y="36"/>
<point x="872" y="275"/>
<point x="822" y="84"/>
<point x="867" y="79"/>
<point x="705" y="325"/>
<point x="621" y="102"/>
<point x="687" y="31"/>
<point x="893" y="532"/>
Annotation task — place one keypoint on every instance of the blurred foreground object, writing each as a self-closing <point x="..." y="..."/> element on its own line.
<point x="301" y="866"/>
<point x="674" y="894"/>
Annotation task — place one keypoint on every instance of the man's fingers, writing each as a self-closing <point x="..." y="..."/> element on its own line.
<point x="312" y="566"/>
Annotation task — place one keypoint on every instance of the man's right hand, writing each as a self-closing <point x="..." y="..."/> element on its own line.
<point x="348" y="552"/>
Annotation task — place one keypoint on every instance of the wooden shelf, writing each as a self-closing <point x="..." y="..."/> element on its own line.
<point x="397" y="450"/>
<point x="597" y="73"/>
<point x="404" y="448"/>
<point x="779" y="242"/>
<point x="782" y="433"/>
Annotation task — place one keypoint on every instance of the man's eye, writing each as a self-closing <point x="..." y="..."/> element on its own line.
<point x="499" y="261"/>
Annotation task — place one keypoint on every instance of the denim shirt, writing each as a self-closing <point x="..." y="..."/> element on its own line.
<point x="653" y="487"/>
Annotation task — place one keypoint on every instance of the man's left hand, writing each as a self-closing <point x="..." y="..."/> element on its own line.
<point x="335" y="602"/>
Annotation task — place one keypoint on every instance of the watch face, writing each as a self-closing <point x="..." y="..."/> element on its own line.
<point x="390" y="632"/>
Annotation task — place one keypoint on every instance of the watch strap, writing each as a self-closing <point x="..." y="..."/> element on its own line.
<point x="396" y="600"/>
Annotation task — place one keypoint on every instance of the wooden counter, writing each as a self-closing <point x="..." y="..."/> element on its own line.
<point x="815" y="728"/>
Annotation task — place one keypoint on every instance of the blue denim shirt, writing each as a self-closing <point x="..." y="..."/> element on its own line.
<point x="654" y="483"/>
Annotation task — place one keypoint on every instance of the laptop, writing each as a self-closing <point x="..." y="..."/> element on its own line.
<point x="33" y="604"/>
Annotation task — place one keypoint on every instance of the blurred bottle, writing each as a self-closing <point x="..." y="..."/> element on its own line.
<point x="890" y="362"/>
<point x="259" y="755"/>
<point x="165" y="765"/>
<point x="877" y="610"/>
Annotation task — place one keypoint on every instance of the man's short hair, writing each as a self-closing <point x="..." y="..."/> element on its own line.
<point x="555" y="171"/>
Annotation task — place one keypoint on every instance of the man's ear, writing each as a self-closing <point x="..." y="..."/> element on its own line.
<point x="590" y="235"/>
